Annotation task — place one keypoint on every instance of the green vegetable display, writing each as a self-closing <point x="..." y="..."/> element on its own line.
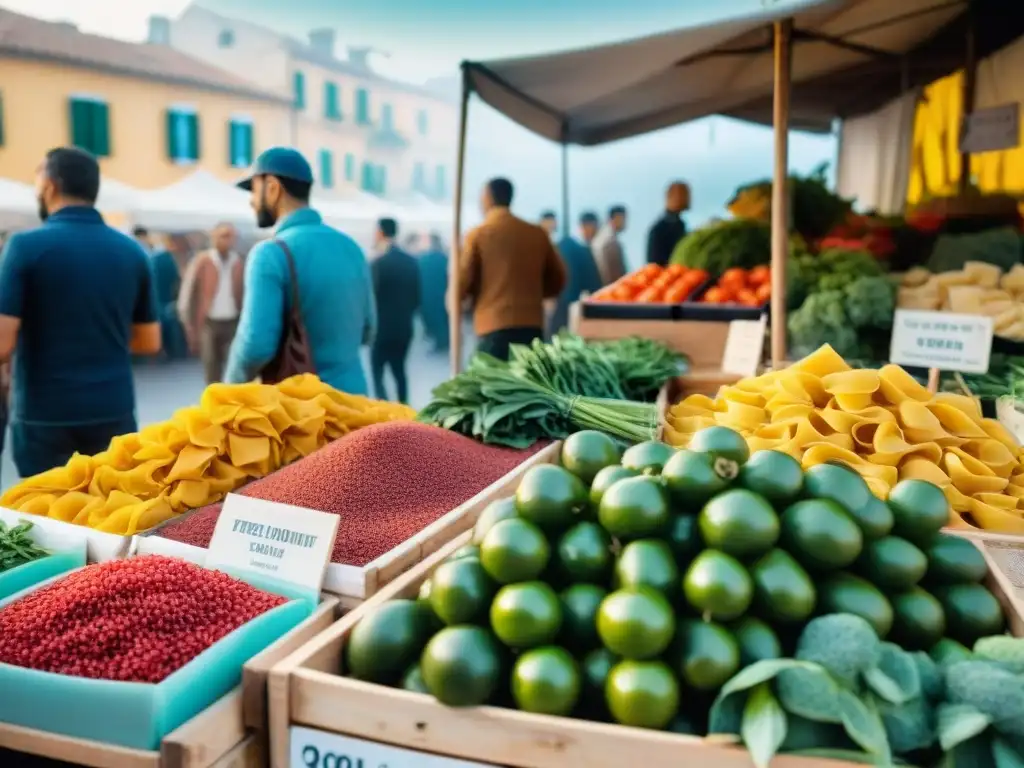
<point x="17" y="547"/>
<point x="1001" y="247"/>
<point x="549" y="390"/>
<point x="717" y="247"/>
<point x="695" y="595"/>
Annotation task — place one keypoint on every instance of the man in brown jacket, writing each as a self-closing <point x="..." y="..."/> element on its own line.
<point x="508" y="268"/>
<point x="211" y="301"/>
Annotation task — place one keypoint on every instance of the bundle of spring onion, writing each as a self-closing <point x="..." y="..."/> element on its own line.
<point x="1005" y="378"/>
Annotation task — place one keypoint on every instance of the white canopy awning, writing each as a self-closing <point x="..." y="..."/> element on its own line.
<point x="198" y="201"/>
<point x="612" y="92"/>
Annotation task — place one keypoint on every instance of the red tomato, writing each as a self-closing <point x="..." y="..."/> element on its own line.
<point x="763" y="292"/>
<point x="760" y="275"/>
<point x="733" y="277"/>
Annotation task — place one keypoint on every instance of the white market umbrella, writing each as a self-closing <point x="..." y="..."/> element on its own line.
<point x="198" y="201"/>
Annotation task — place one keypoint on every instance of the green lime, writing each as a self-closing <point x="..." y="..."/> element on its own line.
<point x="584" y="553"/>
<point x="971" y="611"/>
<point x="874" y="518"/>
<point x="514" y="550"/>
<point x="706" y="655"/>
<point x="580" y="604"/>
<point x="461" y="592"/>
<point x="783" y="592"/>
<point x="647" y="563"/>
<point x="821" y="535"/>
<point x="717" y="584"/>
<point x="649" y="457"/>
<point x="642" y="694"/>
<point x="693" y="478"/>
<point x="587" y="453"/>
<point x="388" y="640"/>
<point x="684" y="538"/>
<point x="839" y="484"/>
<point x="919" y="509"/>
<point x="757" y="641"/>
<point x="595" y="667"/>
<point x="526" y="615"/>
<point x="953" y="560"/>
<point x="605" y="479"/>
<point x="740" y="523"/>
<point x="634" y="508"/>
<point x="546" y="681"/>
<point x="502" y="509"/>
<point x="946" y="652"/>
<point x="462" y="666"/>
<point x="635" y="624"/>
<point x="892" y="563"/>
<point x="775" y="475"/>
<point x="550" y="497"/>
<point x="919" y="621"/>
<point x="721" y="441"/>
<point x="467" y="551"/>
<point x="413" y="680"/>
<point x="846" y="593"/>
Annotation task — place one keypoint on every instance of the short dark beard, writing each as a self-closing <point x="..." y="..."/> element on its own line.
<point x="42" y="210"/>
<point x="264" y="216"/>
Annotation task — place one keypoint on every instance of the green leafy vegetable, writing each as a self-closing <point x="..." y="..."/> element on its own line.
<point x="959" y="723"/>
<point x="764" y="725"/>
<point x="17" y="547"/>
<point x="870" y="302"/>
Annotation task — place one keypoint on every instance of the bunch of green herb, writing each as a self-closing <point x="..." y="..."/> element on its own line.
<point x="1005" y="377"/>
<point x="495" y="404"/>
<point x="17" y="547"/>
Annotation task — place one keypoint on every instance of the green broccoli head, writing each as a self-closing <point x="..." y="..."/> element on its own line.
<point x="930" y="675"/>
<point x="870" y="302"/>
<point x="842" y="643"/>
<point x="822" y="320"/>
<point x="1007" y="651"/>
<point x="990" y="689"/>
<point x="910" y="726"/>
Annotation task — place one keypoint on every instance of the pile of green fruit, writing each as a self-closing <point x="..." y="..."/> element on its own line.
<point x="631" y="587"/>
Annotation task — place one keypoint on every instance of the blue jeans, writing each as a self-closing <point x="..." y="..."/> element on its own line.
<point x="39" y="447"/>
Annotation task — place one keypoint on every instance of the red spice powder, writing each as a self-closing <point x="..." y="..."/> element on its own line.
<point x="387" y="482"/>
<point x="135" y="620"/>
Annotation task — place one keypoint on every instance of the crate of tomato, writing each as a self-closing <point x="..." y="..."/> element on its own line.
<point x="650" y="293"/>
<point x="739" y="294"/>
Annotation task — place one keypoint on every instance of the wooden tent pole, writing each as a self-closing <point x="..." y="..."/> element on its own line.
<point x="780" y="188"/>
<point x="565" y="190"/>
<point x="454" y="289"/>
<point x="967" y="106"/>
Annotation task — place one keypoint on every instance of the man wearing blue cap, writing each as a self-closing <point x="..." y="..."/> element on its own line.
<point x="334" y="288"/>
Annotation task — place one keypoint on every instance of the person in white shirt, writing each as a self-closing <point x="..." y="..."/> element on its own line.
<point x="210" y="301"/>
<point x="607" y="250"/>
<point x="549" y="223"/>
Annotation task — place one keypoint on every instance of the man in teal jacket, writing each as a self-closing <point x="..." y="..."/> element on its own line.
<point x="335" y="290"/>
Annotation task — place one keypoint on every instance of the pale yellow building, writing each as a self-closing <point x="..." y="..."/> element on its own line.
<point x="359" y="130"/>
<point x="150" y="113"/>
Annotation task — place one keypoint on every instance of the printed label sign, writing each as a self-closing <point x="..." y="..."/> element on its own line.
<point x="942" y="340"/>
<point x="991" y="130"/>
<point x="278" y="540"/>
<point x="744" y="346"/>
<point x="317" y="749"/>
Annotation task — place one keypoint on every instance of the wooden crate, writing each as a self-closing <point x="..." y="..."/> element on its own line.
<point x="232" y="733"/>
<point x="703" y="342"/>
<point x="356" y="583"/>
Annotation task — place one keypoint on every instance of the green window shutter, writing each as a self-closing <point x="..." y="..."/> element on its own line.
<point x="367" y="180"/>
<point x="194" y="148"/>
<point x="101" y="129"/>
<point x="350" y="167"/>
<point x="362" y="106"/>
<point x="80" y="118"/>
<point x="386" y="117"/>
<point x="421" y="122"/>
<point x="382" y="179"/>
<point x="248" y="133"/>
<point x="173" y="150"/>
<point x="332" y="101"/>
<point x="326" y="169"/>
<point x="299" y="90"/>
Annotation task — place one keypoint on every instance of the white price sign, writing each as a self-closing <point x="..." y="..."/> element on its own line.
<point x="942" y="340"/>
<point x="744" y="346"/>
<point x="317" y="749"/>
<point x="991" y="130"/>
<point x="283" y="542"/>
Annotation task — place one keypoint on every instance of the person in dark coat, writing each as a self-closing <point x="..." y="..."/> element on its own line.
<point x="396" y="286"/>
<point x="433" y="264"/>
<point x="667" y="231"/>
<point x="581" y="271"/>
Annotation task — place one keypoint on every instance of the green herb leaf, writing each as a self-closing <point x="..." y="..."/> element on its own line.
<point x="864" y="725"/>
<point x="1005" y="755"/>
<point x="810" y="692"/>
<point x="895" y="678"/>
<point x="764" y="725"/>
<point x="959" y="723"/>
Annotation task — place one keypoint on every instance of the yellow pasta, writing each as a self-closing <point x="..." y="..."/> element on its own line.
<point x="883" y="424"/>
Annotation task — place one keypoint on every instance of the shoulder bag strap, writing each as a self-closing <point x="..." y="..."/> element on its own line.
<point x="296" y="311"/>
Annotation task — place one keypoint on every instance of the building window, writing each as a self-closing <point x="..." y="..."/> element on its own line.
<point x="362" y="106"/>
<point x="374" y="179"/>
<point x="350" y="167"/>
<point x="387" y="118"/>
<point x="421" y="122"/>
<point x="326" y="169"/>
<point x="419" y="177"/>
<point x="299" y="90"/>
<point x="90" y="125"/>
<point x="440" y="181"/>
<point x="182" y="135"/>
<point x="382" y="180"/>
<point x="240" y="144"/>
<point x="226" y="38"/>
<point x="332" y="101"/>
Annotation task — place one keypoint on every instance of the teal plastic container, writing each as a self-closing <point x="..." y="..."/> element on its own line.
<point x="139" y="715"/>
<point x="24" y="576"/>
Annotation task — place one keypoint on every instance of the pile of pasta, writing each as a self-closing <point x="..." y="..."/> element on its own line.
<point x="977" y="289"/>
<point x="237" y="433"/>
<point x="882" y="423"/>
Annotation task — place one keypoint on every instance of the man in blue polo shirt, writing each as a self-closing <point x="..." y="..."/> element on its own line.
<point x="76" y="302"/>
<point x="334" y="286"/>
